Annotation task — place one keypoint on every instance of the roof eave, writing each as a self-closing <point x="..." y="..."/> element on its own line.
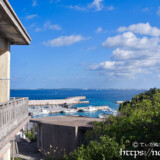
<point x="16" y="22"/>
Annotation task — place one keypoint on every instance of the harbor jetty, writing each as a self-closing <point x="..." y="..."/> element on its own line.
<point x="39" y="107"/>
<point x="68" y="101"/>
<point x="119" y="102"/>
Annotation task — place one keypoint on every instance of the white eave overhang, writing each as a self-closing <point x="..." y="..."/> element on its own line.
<point x="10" y="26"/>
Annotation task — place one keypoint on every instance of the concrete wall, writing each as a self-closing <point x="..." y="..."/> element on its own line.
<point x="58" y="139"/>
<point x="4" y="70"/>
<point x="5" y="152"/>
<point x="13" y="117"/>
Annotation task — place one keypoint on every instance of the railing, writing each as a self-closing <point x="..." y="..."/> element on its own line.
<point x="12" y="114"/>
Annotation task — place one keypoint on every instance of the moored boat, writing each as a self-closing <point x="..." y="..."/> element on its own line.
<point x="89" y="109"/>
<point x="70" y="111"/>
<point x="102" y="115"/>
<point x="43" y="111"/>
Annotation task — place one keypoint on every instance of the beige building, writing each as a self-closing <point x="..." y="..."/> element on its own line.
<point x="13" y="113"/>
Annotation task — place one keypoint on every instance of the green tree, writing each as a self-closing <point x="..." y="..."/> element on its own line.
<point x="138" y="121"/>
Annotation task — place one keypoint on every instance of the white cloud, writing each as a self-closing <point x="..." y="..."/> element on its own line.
<point x="142" y="28"/>
<point x="96" y="4"/>
<point x="31" y="16"/>
<point x="76" y="7"/>
<point x="110" y="65"/>
<point x="99" y="30"/>
<point x="34" y="3"/>
<point x="130" y="40"/>
<point x="132" y="55"/>
<point x="65" y="40"/>
<point x="49" y="25"/>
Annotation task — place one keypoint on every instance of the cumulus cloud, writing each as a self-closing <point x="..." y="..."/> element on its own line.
<point x="65" y="40"/>
<point x="130" y="40"/>
<point x="132" y="54"/>
<point x="141" y="28"/>
<point x="49" y="25"/>
<point x="97" y="4"/>
<point x="32" y="16"/>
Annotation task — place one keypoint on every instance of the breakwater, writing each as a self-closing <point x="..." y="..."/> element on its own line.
<point x="68" y="101"/>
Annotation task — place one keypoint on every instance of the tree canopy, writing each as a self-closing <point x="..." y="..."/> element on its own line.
<point x="138" y="121"/>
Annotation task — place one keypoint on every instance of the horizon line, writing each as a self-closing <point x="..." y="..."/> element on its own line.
<point x="82" y="88"/>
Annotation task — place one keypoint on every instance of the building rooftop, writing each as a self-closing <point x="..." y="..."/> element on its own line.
<point x="74" y="121"/>
<point x="10" y="26"/>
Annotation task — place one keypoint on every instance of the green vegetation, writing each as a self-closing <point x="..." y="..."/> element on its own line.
<point x="31" y="136"/>
<point x="51" y="153"/>
<point x="138" y="121"/>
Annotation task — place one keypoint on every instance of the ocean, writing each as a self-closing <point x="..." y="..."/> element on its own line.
<point x="97" y="97"/>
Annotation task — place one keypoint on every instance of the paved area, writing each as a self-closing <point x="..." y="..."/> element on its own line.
<point x="67" y="121"/>
<point x="28" y="151"/>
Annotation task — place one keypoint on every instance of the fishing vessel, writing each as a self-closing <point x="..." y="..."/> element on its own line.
<point x="70" y="111"/>
<point x="89" y="109"/>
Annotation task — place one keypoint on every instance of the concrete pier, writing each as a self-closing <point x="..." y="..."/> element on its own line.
<point x="97" y="107"/>
<point x="67" y="101"/>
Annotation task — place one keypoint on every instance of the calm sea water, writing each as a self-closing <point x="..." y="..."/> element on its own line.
<point x="96" y="97"/>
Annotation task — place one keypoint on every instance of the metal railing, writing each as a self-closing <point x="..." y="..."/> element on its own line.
<point x="12" y="114"/>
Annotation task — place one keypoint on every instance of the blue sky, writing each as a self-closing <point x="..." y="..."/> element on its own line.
<point x="88" y="44"/>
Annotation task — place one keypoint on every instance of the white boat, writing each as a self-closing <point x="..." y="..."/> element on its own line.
<point x="43" y="111"/>
<point x="115" y="113"/>
<point x="101" y="115"/>
<point x="70" y="111"/>
<point x="89" y="109"/>
<point x="107" y="109"/>
<point x="84" y="110"/>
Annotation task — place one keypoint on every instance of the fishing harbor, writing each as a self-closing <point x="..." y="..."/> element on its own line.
<point x="64" y="106"/>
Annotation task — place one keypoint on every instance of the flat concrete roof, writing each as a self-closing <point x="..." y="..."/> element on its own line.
<point x="10" y="26"/>
<point x="74" y="121"/>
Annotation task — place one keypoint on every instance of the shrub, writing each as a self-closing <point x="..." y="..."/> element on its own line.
<point x="139" y="121"/>
<point x="31" y="135"/>
<point x="104" y="149"/>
